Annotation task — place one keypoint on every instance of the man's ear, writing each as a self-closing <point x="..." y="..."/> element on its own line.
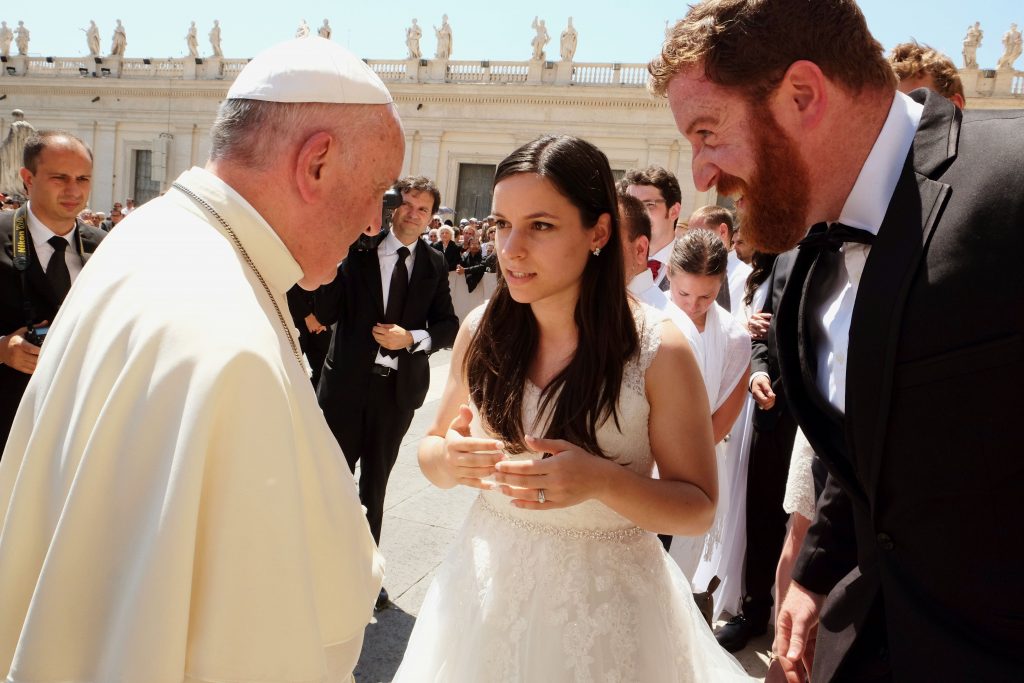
<point x="801" y="100"/>
<point x="26" y="178"/>
<point x="313" y="163"/>
<point x="674" y="211"/>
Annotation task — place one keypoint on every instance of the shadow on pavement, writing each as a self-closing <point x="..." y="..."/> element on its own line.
<point x="384" y="645"/>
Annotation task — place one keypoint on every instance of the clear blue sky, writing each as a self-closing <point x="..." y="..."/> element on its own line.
<point x="482" y="29"/>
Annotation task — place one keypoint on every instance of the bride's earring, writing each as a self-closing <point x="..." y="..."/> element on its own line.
<point x="597" y="251"/>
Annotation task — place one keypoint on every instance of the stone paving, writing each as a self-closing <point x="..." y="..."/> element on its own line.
<point x="420" y="522"/>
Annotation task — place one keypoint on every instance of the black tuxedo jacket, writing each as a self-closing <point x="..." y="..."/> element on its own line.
<point x="13" y="314"/>
<point x="452" y="254"/>
<point x="764" y="352"/>
<point x="921" y="513"/>
<point x="355" y="303"/>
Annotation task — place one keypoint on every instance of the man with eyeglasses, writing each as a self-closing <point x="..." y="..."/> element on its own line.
<point x="659" y="191"/>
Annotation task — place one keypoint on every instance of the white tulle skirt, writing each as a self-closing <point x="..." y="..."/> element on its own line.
<point x="518" y="599"/>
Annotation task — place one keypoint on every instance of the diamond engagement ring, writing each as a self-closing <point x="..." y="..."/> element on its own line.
<point x="540" y="496"/>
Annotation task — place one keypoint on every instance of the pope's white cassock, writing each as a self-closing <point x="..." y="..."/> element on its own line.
<point x="172" y="504"/>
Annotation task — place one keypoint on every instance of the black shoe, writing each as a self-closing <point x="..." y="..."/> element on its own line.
<point x="382" y="601"/>
<point x="737" y="632"/>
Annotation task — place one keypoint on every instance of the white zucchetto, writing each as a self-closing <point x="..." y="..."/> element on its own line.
<point x="309" y="69"/>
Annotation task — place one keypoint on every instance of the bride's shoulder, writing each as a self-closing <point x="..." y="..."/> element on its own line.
<point x="650" y="332"/>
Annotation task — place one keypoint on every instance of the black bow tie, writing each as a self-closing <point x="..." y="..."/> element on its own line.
<point x="832" y="237"/>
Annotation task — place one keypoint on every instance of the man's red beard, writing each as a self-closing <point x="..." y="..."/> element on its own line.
<point x="775" y="202"/>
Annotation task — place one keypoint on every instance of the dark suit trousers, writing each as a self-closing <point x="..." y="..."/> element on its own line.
<point x="371" y="434"/>
<point x="770" y="452"/>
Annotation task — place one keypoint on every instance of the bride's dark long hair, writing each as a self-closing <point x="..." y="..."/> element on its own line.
<point x="586" y="392"/>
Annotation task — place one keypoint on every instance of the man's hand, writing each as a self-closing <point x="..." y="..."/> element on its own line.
<point x="758" y="325"/>
<point x="392" y="337"/>
<point x="313" y="325"/>
<point x="17" y="353"/>
<point x="796" y="626"/>
<point x="761" y="389"/>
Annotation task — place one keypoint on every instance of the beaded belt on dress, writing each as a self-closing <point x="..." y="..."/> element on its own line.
<point x="566" y="532"/>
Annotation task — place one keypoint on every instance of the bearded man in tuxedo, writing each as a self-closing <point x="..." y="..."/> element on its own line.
<point x="911" y="570"/>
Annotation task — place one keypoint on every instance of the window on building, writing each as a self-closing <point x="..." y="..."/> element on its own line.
<point x="473" y="199"/>
<point x="144" y="187"/>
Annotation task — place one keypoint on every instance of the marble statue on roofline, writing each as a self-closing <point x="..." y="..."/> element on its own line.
<point x="6" y="37"/>
<point x="1012" y="46"/>
<point x="192" y="40"/>
<point x="303" y="30"/>
<point x="444" y="39"/>
<point x="92" y="38"/>
<point x="21" y="38"/>
<point x="119" y="42"/>
<point x="325" y="30"/>
<point x="215" y="39"/>
<point x="412" y="40"/>
<point x="569" y="38"/>
<point x="540" y="39"/>
<point x="972" y="41"/>
<point x="11" y="152"/>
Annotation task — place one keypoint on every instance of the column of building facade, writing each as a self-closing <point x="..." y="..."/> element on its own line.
<point x="102" y="137"/>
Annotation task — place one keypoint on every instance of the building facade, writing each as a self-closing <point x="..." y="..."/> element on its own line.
<point x="147" y="120"/>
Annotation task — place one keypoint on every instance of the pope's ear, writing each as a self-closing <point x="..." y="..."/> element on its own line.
<point x="311" y="165"/>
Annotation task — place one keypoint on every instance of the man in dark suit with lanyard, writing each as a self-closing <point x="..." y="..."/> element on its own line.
<point x="900" y="333"/>
<point x="44" y="249"/>
<point x="392" y="307"/>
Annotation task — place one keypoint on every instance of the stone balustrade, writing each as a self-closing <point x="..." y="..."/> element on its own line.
<point x="978" y="83"/>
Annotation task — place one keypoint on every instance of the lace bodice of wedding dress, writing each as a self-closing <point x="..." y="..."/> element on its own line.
<point x="626" y="443"/>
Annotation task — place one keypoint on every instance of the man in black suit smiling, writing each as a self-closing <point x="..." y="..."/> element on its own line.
<point x="900" y="332"/>
<point x="392" y="307"/>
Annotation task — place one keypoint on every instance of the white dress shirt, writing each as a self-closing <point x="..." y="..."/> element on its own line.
<point x="865" y="208"/>
<point x="387" y="255"/>
<point x="40" y="240"/>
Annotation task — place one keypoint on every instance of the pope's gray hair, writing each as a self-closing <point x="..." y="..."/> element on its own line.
<point x="254" y="133"/>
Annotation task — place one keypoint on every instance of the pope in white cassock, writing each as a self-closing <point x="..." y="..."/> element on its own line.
<point x="173" y="506"/>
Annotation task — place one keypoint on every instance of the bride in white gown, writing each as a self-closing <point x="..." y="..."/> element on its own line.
<point x="573" y="395"/>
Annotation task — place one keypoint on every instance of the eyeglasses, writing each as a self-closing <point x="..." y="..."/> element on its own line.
<point x="653" y="203"/>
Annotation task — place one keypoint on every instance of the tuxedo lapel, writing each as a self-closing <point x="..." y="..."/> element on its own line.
<point x="89" y="242"/>
<point x="420" y="280"/>
<point x="875" y="326"/>
<point x="792" y="327"/>
<point x="895" y="258"/>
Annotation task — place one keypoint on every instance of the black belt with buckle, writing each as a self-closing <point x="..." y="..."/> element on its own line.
<point x="381" y="370"/>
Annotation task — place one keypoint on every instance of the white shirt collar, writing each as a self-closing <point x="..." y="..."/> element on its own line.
<point x="664" y="254"/>
<point x="392" y="244"/>
<point x="865" y="207"/>
<point x="41" y="233"/>
<point x="268" y="252"/>
<point x="641" y="282"/>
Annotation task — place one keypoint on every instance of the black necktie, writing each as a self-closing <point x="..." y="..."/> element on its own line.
<point x="57" y="269"/>
<point x="832" y="237"/>
<point x="396" y="294"/>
